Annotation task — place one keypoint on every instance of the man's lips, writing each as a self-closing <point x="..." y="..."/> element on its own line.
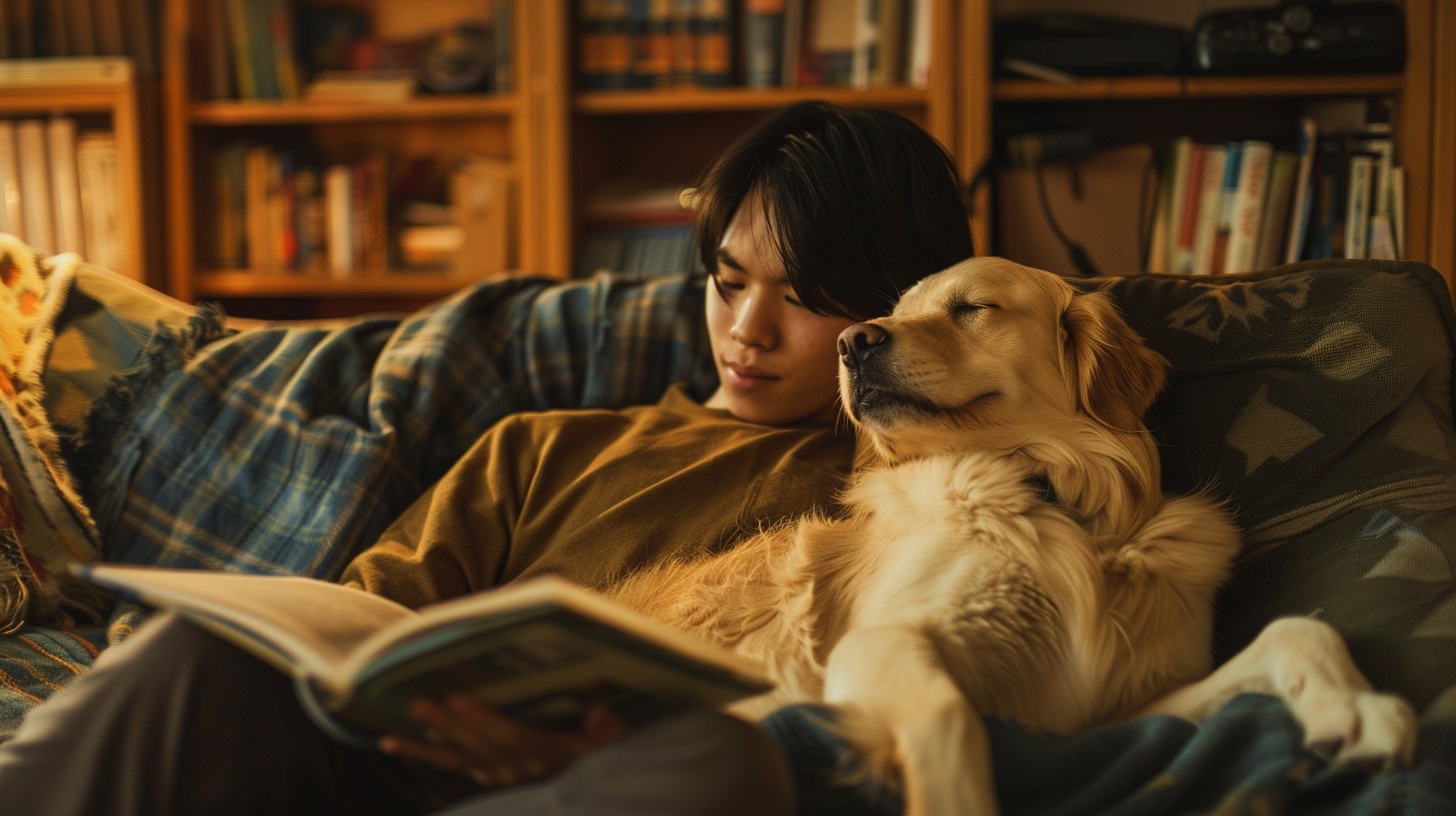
<point x="748" y="373"/>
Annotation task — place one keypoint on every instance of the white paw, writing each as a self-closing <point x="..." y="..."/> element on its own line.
<point x="1356" y="728"/>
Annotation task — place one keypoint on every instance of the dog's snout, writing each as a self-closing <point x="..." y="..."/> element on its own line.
<point x="859" y="341"/>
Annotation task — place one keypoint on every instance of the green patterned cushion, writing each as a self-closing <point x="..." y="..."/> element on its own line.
<point x="1316" y="399"/>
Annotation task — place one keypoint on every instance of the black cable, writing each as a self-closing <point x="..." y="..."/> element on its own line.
<point x="1080" y="259"/>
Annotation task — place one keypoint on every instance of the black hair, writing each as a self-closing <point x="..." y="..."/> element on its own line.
<point x="861" y="204"/>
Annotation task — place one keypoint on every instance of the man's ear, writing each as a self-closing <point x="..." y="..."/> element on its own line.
<point x="1116" y="375"/>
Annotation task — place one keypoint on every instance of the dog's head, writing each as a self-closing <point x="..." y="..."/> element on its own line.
<point x="989" y="354"/>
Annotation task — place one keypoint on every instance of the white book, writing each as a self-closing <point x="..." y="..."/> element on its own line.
<point x="917" y="56"/>
<point x="35" y="185"/>
<point x="1248" y="206"/>
<point x="540" y="651"/>
<point x="12" y="220"/>
<point x="339" y="211"/>
<point x="1357" y="206"/>
<point x="96" y="165"/>
<point x="65" y="186"/>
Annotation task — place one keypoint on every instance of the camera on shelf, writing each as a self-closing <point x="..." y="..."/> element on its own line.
<point x="1301" y="37"/>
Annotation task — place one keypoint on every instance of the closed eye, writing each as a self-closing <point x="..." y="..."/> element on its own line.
<point x="966" y="308"/>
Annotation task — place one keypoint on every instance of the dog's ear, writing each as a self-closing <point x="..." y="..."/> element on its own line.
<point x="1116" y="376"/>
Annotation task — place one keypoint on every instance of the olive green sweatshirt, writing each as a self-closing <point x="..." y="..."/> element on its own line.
<point x="592" y="494"/>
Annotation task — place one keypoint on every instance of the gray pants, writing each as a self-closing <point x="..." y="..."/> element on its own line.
<point x="175" y="721"/>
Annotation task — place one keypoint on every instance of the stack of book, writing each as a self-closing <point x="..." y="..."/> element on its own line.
<point x="1336" y="191"/>
<point x="755" y="43"/>
<point x="284" y="211"/>
<point x="639" y="229"/>
<point x="58" y="189"/>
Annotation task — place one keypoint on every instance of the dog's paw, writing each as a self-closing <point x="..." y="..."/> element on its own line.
<point x="1358" y="729"/>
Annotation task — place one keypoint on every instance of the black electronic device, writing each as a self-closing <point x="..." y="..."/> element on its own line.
<point x="1090" y="45"/>
<point x="1300" y="37"/>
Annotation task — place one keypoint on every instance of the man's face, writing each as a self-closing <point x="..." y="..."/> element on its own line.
<point x="777" y="361"/>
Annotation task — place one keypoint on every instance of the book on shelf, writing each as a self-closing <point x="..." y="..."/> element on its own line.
<point x="1180" y="169"/>
<point x="763" y="42"/>
<point x="1210" y="207"/>
<point x="65" y="184"/>
<point x="379" y="85"/>
<point x="35" y="185"/>
<point x="96" y="166"/>
<point x="1357" y="204"/>
<point x="12" y="220"/>
<point x="68" y="71"/>
<point x="338" y="194"/>
<point x="540" y="651"/>
<point x="917" y="44"/>
<point x="1308" y="138"/>
<point x="1278" y="206"/>
<point x="482" y="202"/>
<point x="1246" y="212"/>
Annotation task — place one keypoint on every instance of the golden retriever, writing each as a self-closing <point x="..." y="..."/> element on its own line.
<point x="1007" y="552"/>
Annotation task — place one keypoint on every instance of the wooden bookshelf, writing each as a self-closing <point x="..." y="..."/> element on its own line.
<point x="51" y="87"/>
<point x="1139" y="106"/>
<point x="565" y="141"/>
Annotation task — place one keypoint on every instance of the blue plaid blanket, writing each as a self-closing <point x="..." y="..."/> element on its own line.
<point x="286" y="449"/>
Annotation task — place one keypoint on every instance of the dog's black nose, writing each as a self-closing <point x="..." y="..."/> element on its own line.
<point x="859" y="341"/>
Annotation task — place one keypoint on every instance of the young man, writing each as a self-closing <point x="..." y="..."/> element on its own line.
<point x="816" y="219"/>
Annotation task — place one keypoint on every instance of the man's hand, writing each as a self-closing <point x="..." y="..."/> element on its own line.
<point x="494" y="750"/>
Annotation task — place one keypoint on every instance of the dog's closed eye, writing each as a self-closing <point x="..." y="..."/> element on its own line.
<point x="965" y="308"/>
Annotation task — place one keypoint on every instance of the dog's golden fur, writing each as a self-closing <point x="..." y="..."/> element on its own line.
<point x="1005" y="550"/>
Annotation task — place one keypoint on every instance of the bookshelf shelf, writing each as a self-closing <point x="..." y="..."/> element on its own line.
<point x="248" y="284"/>
<point x="1097" y="88"/>
<point x="744" y="99"/>
<point x="285" y="112"/>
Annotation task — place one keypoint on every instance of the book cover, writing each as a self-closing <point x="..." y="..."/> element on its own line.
<point x="12" y="220"/>
<point x="654" y="47"/>
<point x="96" y="159"/>
<point x="339" y="223"/>
<point x="1326" y="237"/>
<point x="865" y="54"/>
<point x="65" y="184"/>
<point x="1300" y="208"/>
<point x="1248" y="205"/>
<point x="1278" y="209"/>
<point x="540" y="651"/>
<point x="714" y="43"/>
<point x="1179" y="166"/>
<point x="236" y="14"/>
<point x="481" y="192"/>
<point x="917" y="44"/>
<point x="1358" y="199"/>
<point x="1233" y="158"/>
<point x="35" y="184"/>
<point x="684" y="14"/>
<point x="1210" y="207"/>
<point x="763" y="43"/>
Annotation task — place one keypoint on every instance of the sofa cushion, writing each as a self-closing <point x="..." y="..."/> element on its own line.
<point x="1316" y="399"/>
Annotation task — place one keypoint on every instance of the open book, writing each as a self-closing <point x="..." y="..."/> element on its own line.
<point x="540" y="651"/>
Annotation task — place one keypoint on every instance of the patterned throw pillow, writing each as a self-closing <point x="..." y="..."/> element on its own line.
<point x="1316" y="399"/>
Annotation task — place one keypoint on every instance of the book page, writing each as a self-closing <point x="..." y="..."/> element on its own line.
<point x="303" y="620"/>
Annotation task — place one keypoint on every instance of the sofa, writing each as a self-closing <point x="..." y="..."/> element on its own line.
<point x="1314" y="398"/>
